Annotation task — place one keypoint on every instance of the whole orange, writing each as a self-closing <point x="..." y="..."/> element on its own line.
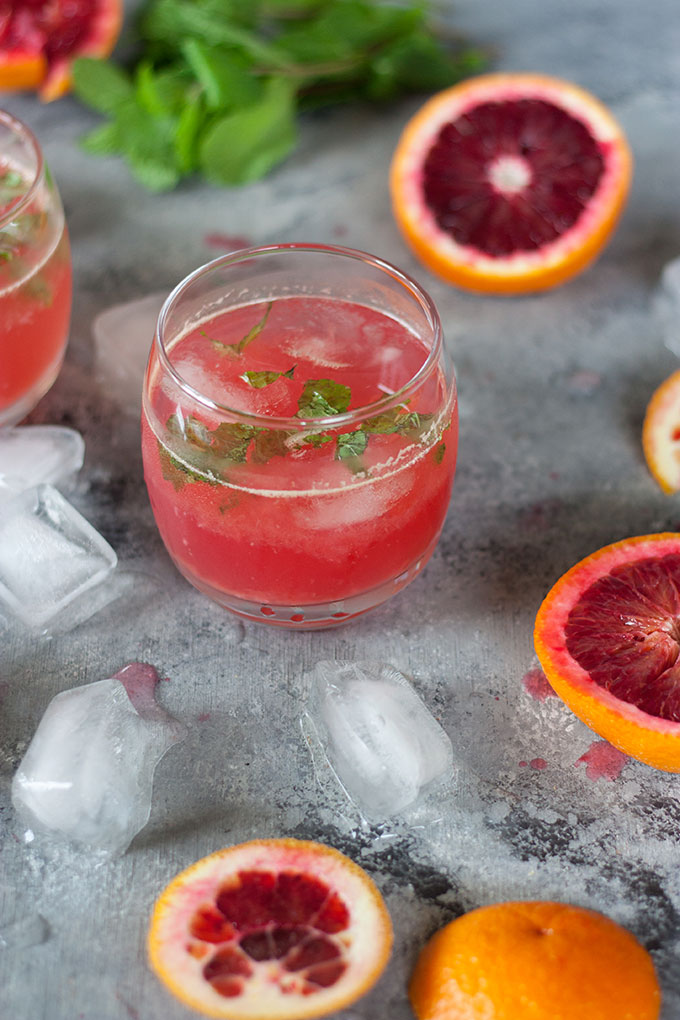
<point x="534" y="961"/>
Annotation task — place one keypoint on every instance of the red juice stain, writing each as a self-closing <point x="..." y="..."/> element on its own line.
<point x="523" y="764"/>
<point x="538" y="764"/>
<point x="140" y="680"/>
<point x="536" y="684"/>
<point x="227" y="242"/>
<point x="203" y="717"/>
<point x="602" y="761"/>
<point x="539" y="516"/>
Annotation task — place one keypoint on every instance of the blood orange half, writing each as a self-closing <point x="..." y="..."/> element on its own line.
<point x="40" y="38"/>
<point x="608" y="638"/>
<point x="509" y="183"/>
<point x="274" y="929"/>
<point x="661" y="434"/>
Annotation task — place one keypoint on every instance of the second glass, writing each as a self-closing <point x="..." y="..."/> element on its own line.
<point x="299" y="432"/>
<point x="35" y="274"/>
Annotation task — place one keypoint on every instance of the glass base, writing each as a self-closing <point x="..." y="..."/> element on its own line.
<point x="17" y="411"/>
<point x="317" y="615"/>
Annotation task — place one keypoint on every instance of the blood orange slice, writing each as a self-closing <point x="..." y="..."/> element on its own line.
<point x="509" y="183"/>
<point x="274" y="929"/>
<point x="608" y="638"/>
<point x="40" y="38"/>
<point x="534" y="959"/>
<point x="661" y="434"/>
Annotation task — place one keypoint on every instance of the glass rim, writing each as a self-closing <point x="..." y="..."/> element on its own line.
<point x="24" y="131"/>
<point x="357" y="414"/>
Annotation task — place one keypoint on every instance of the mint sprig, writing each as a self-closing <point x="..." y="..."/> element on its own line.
<point x="218" y="84"/>
<point x="209" y="455"/>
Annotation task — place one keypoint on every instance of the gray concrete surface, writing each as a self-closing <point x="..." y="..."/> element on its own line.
<point x="553" y="389"/>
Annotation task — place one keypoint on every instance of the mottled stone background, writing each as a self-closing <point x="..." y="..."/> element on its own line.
<point x="552" y="393"/>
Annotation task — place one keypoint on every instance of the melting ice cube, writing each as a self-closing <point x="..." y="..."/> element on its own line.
<point x="379" y="738"/>
<point x="87" y="775"/>
<point x="122" y="338"/>
<point x="666" y="305"/>
<point x="24" y="933"/>
<point x="32" y="454"/>
<point x="49" y="555"/>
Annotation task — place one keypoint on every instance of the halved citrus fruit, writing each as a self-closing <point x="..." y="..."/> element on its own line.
<point x="661" y="434"/>
<point x="274" y="929"/>
<point x="40" y="38"/>
<point x="548" y="961"/>
<point x="608" y="638"/>
<point x="509" y="183"/>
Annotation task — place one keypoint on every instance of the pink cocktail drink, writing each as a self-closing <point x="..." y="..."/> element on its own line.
<point x="299" y="449"/>
<point x="35" y="274"/>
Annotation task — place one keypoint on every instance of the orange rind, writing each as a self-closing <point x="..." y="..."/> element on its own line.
<point x="548" y="961"/>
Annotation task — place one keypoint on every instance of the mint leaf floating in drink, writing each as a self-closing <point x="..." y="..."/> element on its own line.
<point x="270" y="443"/>
<point x="408" y="423"/>
<point x="231" y="441"/>
<point x="255" y="331"/>
<point x="349" y="449"/>
<point x="258" y="380"/>
<point x="323" y="398"/>
<point x="240" y="347"/>
<point x="438" y="453"/>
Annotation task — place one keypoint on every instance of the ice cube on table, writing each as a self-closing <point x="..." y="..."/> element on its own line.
<point x="49" y="555"/>
<point x="87" y="775"/>
<point x="35" y="454"/>
<point x="377" y="734"/>
<point x="24" y="933"/>
<point x="122" y="337"/>
<point x="666" y="305"/>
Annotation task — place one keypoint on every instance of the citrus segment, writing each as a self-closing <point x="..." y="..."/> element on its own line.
<point x="271" y="929"/>
<point x="547" y="961"/>
<point x="661" y="434"/>
<point x="40" y="38"/>
<point x="509" y="183"/>
<point x="608" y="638"/>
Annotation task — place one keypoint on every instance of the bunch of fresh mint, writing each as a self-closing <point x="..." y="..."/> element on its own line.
<point x="218" y="83"/>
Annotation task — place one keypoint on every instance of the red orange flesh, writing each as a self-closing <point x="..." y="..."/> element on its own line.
<point x="274" y="929"/>
<point x="608" y="638"/>
<point x="510" y="183"/>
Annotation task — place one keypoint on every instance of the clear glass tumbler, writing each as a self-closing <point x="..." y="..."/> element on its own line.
<point x="299" y="432"/>
<point x="35" y="273"/>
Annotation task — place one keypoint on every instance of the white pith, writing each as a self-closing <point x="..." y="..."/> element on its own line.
<point x="509" y="174"/>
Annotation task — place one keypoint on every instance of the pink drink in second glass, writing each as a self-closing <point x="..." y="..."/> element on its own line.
<point x="35" y="274"/>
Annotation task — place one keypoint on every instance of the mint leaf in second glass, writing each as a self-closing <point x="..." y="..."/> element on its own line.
<point x="323" y="398"/>
<point x="258" y="380"/>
